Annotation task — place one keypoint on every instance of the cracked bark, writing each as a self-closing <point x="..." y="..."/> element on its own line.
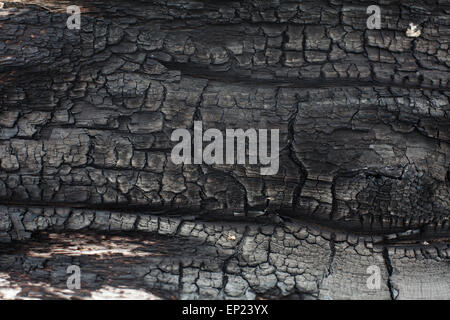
<point x="85" y="124"/>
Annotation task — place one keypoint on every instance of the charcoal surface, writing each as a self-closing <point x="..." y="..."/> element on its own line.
<point x="86" y="118"/>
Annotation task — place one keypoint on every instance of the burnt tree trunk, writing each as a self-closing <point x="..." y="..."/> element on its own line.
<point x="86" y="118"/>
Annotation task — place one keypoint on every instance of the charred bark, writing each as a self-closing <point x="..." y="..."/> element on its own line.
<point x="86" y="118"/>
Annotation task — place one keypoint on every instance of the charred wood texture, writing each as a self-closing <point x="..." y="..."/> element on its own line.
<point x="86" y="118"/>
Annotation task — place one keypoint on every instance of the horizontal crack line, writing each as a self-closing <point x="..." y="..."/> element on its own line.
<point x="441" y="237"/>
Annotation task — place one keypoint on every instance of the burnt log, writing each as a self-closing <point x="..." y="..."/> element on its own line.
<point x="86" y="118"/>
